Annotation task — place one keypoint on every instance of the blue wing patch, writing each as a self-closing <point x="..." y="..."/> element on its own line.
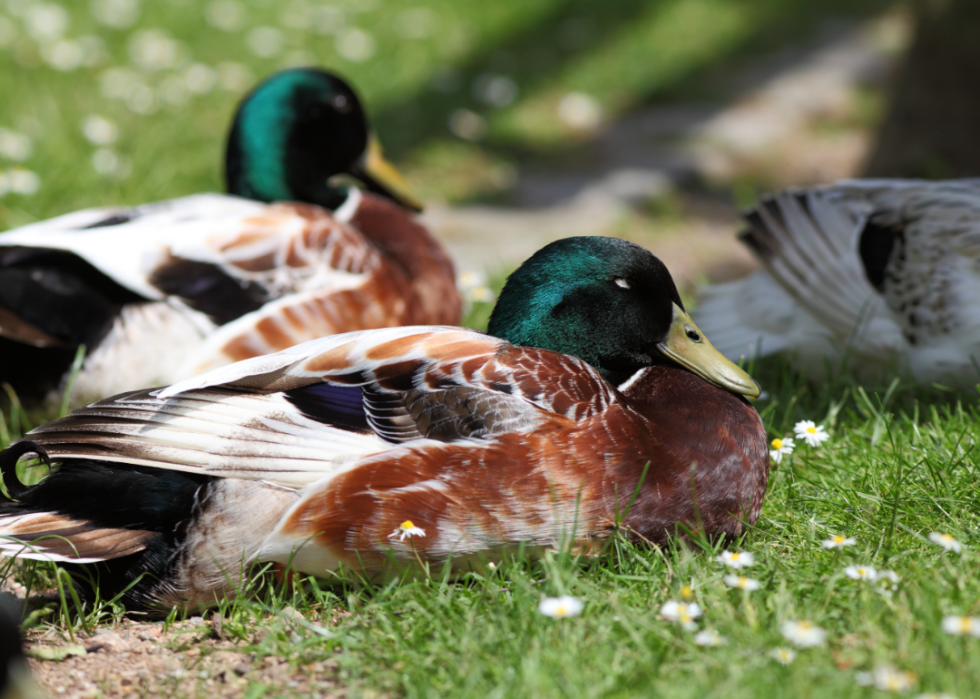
<point x="338" y="406"/>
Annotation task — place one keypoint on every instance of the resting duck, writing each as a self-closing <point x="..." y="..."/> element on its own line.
<point x="160" y="292"/>
<point x="371" y="450"/>
<point x="882" y="274"/>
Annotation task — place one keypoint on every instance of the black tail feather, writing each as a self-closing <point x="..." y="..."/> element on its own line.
<point x="9" y="459"/>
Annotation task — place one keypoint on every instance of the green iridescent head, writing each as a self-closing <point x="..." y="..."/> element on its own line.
<point x="612" y="304"/>
<point x="295" y="132"/>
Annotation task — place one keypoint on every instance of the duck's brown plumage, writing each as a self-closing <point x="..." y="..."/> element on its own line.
<point x="406" y="242"/>
<point x="585" y="457"/>
<point x="407" y="278"/>
<point x="487" y="447"/>
<point x="208" y="280"/>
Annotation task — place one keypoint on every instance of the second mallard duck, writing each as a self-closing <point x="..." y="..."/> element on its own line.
<point x="160" y="292"/>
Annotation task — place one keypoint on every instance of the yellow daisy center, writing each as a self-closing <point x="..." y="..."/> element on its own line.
<point x="946" y="538"/>
<point x="687" y="592"/>
<point x="838" y="539"/>
<point x="560" y="611"/>
<point x="805" y="626"/>
<point x="743" y="582"/>
<point x="811" y="430"/>
<point x="407" y="524"/>
<point x="777" y="443"/>
<point x="966" y="623"/>
<point x="860" y="571"/>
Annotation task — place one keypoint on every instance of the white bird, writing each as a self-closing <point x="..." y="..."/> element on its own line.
<point x="882" y="276"/>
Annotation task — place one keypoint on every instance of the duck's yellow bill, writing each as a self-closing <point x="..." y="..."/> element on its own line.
<point x="688" y="346"/>
<point x="381" y="176"/>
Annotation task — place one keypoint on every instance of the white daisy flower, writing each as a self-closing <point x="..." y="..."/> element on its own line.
<point x="23" y="181"/>
<point x="887" y="582"/>
<point x="934" y="695"/>
<point x="780" y="447"/>
<point x="838" y="542"/>
<point x="812" y="434"/>
<point x="709" y="638"/>
<point x="961" y="625"/>
<point x="740" y="582"/>
<point x="804" y="634"/>
<point x="887" y="576"/>
<point x="561" y="607"/>
<point x="861" y="572"/>
<point x="783" y="656"/>
<point x="737" y="560"/>
<point x="14" y="145"/>
<point x="100" y="130"/>
<point x="406" y="529"/>
<point x="682" y="612"/>
<point x="946" y="541"/>
<point x="887" y="679"/>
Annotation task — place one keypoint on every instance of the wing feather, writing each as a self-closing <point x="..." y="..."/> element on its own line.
<point x="420" y="383"/>
<point x="808" y="242"/>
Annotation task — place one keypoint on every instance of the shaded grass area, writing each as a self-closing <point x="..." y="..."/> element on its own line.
<point x="169" y="80"/>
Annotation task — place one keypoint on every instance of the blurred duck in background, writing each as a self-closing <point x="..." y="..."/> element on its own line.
<point x="880" y="276"/>
<point x="160" y="292"/>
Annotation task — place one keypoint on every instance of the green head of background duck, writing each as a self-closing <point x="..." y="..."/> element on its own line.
<point x="158" y="292"/>
<point x="296" y="132"/>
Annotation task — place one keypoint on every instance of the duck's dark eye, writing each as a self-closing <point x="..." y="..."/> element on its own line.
<point x="691" y="333"/>
<point x="341" y="104"/>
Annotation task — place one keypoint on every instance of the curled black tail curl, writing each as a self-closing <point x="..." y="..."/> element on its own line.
<point x="9" y="458"/>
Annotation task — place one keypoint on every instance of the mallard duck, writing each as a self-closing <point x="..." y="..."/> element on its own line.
<point x="372" y="450"/>
<point x="881" y="274"/>
<point x="160" y="292"/>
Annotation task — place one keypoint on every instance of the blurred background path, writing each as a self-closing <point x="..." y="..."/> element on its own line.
<point x="660" y="175"/>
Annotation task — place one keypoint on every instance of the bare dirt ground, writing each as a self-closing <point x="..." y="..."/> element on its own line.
<point x="189" y="659"/>
<point x="793" y="118"/>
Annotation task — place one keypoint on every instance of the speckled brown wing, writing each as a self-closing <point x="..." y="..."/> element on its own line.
<point x="245" y="420"/>
<point x="693" y="455"/>
<point x="323" y="275"/>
